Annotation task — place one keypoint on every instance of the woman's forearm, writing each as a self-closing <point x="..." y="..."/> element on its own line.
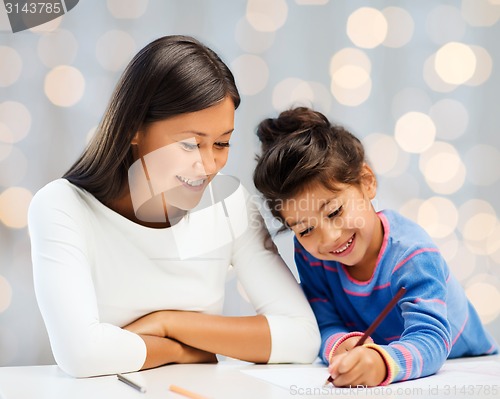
<point x="246" y="338"/>
<point x="162" y="351"/>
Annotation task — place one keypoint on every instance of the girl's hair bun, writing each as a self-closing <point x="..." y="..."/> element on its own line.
<point x="289" y="123"/>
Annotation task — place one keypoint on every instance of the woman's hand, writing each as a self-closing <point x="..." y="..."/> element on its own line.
<point x="359" y="366"/>
<point x="151" y="324"/>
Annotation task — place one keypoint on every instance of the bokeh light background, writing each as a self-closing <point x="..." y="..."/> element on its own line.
<point x="418" y="81"/>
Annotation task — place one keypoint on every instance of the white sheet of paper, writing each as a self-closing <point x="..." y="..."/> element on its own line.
<point x="452" y="377"/>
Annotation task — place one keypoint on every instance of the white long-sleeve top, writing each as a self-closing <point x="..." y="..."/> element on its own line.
<point x="96" y="271"/>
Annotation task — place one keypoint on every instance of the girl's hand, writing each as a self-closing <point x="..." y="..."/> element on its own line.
<point x="348" y="344"/>
<point x="360" y="366"/>
<point x="151" y="324"/>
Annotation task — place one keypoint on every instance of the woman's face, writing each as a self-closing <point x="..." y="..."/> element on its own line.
<point x="176" y="158"/>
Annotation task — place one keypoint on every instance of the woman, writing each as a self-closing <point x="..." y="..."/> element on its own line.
<point x="131" y="247"/>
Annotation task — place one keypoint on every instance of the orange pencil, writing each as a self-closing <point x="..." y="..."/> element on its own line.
<point x="376" y="322"/>
<point x="186" y="393"/>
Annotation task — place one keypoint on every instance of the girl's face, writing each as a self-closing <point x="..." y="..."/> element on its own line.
<point x="176" y="158"/>
<point x="338" y="226"/>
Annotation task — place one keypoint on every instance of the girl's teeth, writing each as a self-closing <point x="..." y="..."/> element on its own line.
<point x="347" y="245"/>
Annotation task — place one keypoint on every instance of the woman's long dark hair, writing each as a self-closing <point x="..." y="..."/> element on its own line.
<point x="170" y="76"/>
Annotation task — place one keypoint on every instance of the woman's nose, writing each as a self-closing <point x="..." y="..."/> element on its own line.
<point x="207" y="163"/>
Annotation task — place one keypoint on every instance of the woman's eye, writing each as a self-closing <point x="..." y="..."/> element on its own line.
<point x="188" y="146"/>
<point x="305" y="232"/>
<point x="223" y="144"/>
<point x="336" y="212"/>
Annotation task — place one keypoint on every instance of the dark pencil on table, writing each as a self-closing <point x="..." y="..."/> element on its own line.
<point x="376" y="322"/>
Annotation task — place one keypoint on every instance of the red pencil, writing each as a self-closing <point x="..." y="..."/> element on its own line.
<point x="376" y="322"/>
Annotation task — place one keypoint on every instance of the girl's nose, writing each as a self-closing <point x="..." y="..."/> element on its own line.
<point x="330" y="235"/>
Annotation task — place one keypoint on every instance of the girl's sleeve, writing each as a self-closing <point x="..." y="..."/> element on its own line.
<point x="271" y="287"/>
<point x="426" y="339"/>
<point x="81" y="344"/>
<point x="332" y="328"/>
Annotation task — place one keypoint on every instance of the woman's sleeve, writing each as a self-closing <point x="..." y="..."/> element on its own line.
<point x="81" y="344"/>
<point x="271" y="287"/>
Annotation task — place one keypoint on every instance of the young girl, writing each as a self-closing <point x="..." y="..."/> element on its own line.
<point x="132" y="246"/>
<point x="352" y="260"/>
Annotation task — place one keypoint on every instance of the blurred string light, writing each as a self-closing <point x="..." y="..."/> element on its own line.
<point x="64" y="85"/>
<point x="455" y="63"/>
<point x="415" y="132"/>
<point x="311" y="2"/>
<point x="14" y="202"/>
<point x="367" y="27"/>
<point x="114" y="49"/>
<point x="265" y="15"/>
<point x="127" y="9"/>
<point x="480" y="12"/>
<point x="11" y="66"/>
<point x="293" y="92"/>
<point x="486" y="298"/>
<point x="439" y="216"/>
<point x="354" y="66"/>
<point x="251" y="73"/>
<point x="252" y="40"/>
<point x="442" y="168"/>
<point x="400" y="27"/>
<point x="5" y="294"/>
<point x="16" y="121"/>
<point x="385" y="155"/>
<point x="58" y="48"/>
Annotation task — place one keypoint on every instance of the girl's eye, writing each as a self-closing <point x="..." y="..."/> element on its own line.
<point x="305" y="232"/>
<point x="222" y="144"/>
<point x="336" y="212"/>
<point x="189" y="146"/>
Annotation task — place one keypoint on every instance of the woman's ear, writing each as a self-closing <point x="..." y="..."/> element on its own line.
<point x="135" y="139"/>
<point x="368" y="181"/>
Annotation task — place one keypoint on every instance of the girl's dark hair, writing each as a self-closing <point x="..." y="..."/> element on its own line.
<point x="302" y="148"/>
<point x="170" y="76"/>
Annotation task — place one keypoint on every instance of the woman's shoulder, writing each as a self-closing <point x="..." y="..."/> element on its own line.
<point x="57" y="194"/>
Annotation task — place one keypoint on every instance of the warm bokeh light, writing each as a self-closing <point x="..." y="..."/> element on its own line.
<point x="64" y="85"/>
<point x="438" y="216"/>
<point x="47" y="27"/>
<point x="294" y="92"/>
<point x="478" y="222"/>
<point x="11" y="66"/>
<point x="367" y="27"/>
<point x="266" y="16"/>
<point x="450" y="117"/>
<point x="415" y="132"/>
<point x="114" y="49"/>
<point x="17" y="164"/>
<point x="455" y="63"/>
<point x="400" y="27"/>
<point x="16" y="120"/>
<point x="382" y="152"/>
<point x="480" y="13"/>
<point x="484" y="66"/>
<point x="251" y="40"/>
<point x="127" y="9"/>
<point x="486" y="299"/>
<point x="483" y="164"/>
<point x="351" y="83"/>
<point x="445" y="24"/>
<point x="14" y="203"/>
<point x="479" y="227"/>
<point x="433" y="80"/>
<point x="411" y="208"/>
<point x="251" y="73"/>
<point x="442" y="168"/>
<point x="58" y="48"/>
<point x="5" y="294"/>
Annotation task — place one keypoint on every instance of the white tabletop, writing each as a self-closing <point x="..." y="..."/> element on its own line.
<point x="226" y="380"/>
